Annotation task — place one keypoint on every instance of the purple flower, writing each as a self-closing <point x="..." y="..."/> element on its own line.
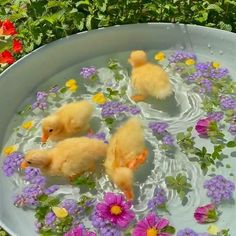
<point x="41" y="101"/>
<point x="54" y="89"/>
<point x="151" y="225"/>
<point x="232" y="129"/>
<point x="100" y="135"/>
<point x="159" y="199"/>
<point x="180" y="56"/>
<point x="207" y="84"/>
<point x="51" y="189"/>
<point x="187" y="232"/>
<point x="216" y="116"/>
<point x="116" y="210"/>
<point x="79" y="230"/>
<point x="88" y="72"/>
<point x="31" y="173"/>
<point x="168" y="140"/>
<point x="219" y="189"/>
<point x="206" y="214"/>
<point x="50" y="218"/>
<point x="134" y="110"/>
<point x="38" y="226"/>
<point x="227" y="102"/>
<point x="70" y="205"/>
<point x="193" y="77"/>
<point x="158" y="127"/>
<point x="12" y="163"/>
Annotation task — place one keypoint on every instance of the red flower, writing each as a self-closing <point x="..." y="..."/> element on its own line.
<point x="17" y="46"/>
<point x="7" y="28"/>
<point x="6" y="57"/>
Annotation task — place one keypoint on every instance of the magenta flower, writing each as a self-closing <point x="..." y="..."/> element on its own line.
<point x="202" y="126"/>
<point x="79" y="231"/>
<point x="116" y="210"/>
<point x="152" y="225"/>
<point x="206" y="214"/>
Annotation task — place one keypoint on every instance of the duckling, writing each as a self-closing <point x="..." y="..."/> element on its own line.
<point x="67" y="121"/>
<point x="69" y="158"/>
<point x="148" y="79"/>
<point x="126" y="152"/>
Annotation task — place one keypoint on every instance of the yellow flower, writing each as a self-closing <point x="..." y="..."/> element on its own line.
<point x="27" y="124"/>
<point x="213" y="229"/>
<point x="160" y="56"/>
<point x="60" y="212"/>
<point x="99" y="98"/>
<point x="215" y="64"/>
<point x="189" y="62"/>
<point x="9" y="150"/>
<point x="72" y="85"/>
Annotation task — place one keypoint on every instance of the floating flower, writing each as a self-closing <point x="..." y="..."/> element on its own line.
<point x="116" y="210"/>
<point x="227" y="103"/>
<point x="11" y="163"/>
<point x="27" y="125"/>
<point x="100" y="135"/>
<point x="88" y="72"/>
<point x="72" y="85"/>
<point x="215" y="64"/>
<point x="7" y="28"/>
<point x="203" y="125"/>
<point x="60" y="212"/>
<point x="213" y="229"/>
<point x="168" y="140"/>
<point x="9" y="150"/>
<point x="216" y="116"/>
<point x="70" y="205"/>
<point x="159" y="199"/>
<point x="50" y="218"/>
<point x="79" y="231"/>
<point x="219" y="189"/>
<point x="190" y="62"/>
<point x="160" y="56"/>
<point x="206" y="214"/>
<point x="6" y="57"/>
<point x="99" y="98"/>
<point x="187" y="232"/>
<point x="151" y="225"/>
<point x="17" y="46"/>
<point x="181" y="56"/>
<point x="158" y="127"/>
<point x="51" y="189"/>
<point x="232" y="129"/>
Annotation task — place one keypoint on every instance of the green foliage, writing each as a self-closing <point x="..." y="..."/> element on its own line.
<point x="85" y="180"/>
<point x="180" y="184"/>
<point x="40" y="22"/>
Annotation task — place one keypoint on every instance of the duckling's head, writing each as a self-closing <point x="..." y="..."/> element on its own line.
<point x="51" y="125"/>
<point x="37" y="158"/>
<point x="137" y="58"/>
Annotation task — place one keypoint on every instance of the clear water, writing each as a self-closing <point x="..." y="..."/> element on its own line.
<point x="180" y="111"/>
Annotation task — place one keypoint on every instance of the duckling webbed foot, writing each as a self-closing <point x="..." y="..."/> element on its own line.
<point x="139" y="160"/>
<point x="138" y="98"/>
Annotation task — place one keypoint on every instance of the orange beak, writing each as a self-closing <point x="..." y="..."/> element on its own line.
<point x="129" y="194"/>
<point x="44" y="138"/>
<point x="24" y="165"/>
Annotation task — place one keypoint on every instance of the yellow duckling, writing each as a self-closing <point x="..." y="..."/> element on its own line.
<point x="68" y="120"/>
<point x="148" y="79"/>
<point x="69" y="158"/>
<point x="126" y="152"/>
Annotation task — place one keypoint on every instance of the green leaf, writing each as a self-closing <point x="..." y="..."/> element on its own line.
<point x="215" y="7"/>
<point x="180" y="136"/>
<point x="170" y="180"/>
<point x="169" y="229"/>
<point x="63" y="90"/>
<point x="231" y="144"/>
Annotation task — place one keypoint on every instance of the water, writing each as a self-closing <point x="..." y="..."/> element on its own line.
<point x="180" y="111"/>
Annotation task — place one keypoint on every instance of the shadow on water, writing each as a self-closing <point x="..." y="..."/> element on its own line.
<point x="169" y="106"/>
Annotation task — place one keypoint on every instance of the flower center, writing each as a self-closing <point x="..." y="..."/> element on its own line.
<point x="115" y="210"/>
<point x="152" y="232"/>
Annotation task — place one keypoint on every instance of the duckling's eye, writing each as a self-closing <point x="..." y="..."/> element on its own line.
<point x="50" y="130"/>
<point x="29" y="162"/>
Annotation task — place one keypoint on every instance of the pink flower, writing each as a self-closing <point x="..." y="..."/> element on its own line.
<point x="206" y="214"/>
<point x="151" y="225"/>
<point x="202" y="126"/>
<point x="79" y="231"/>
<point x="116" y="210"/>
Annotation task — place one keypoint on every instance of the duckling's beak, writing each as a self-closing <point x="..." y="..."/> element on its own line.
<point x="24" y="165"/>
<point x="44" y="138"/>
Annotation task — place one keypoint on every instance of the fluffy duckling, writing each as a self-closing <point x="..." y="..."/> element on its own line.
<point x="67" y="121"/>
<point x="126" y="152"/>
<point x="148" y="79"/>
<point x="69" y="158"/>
